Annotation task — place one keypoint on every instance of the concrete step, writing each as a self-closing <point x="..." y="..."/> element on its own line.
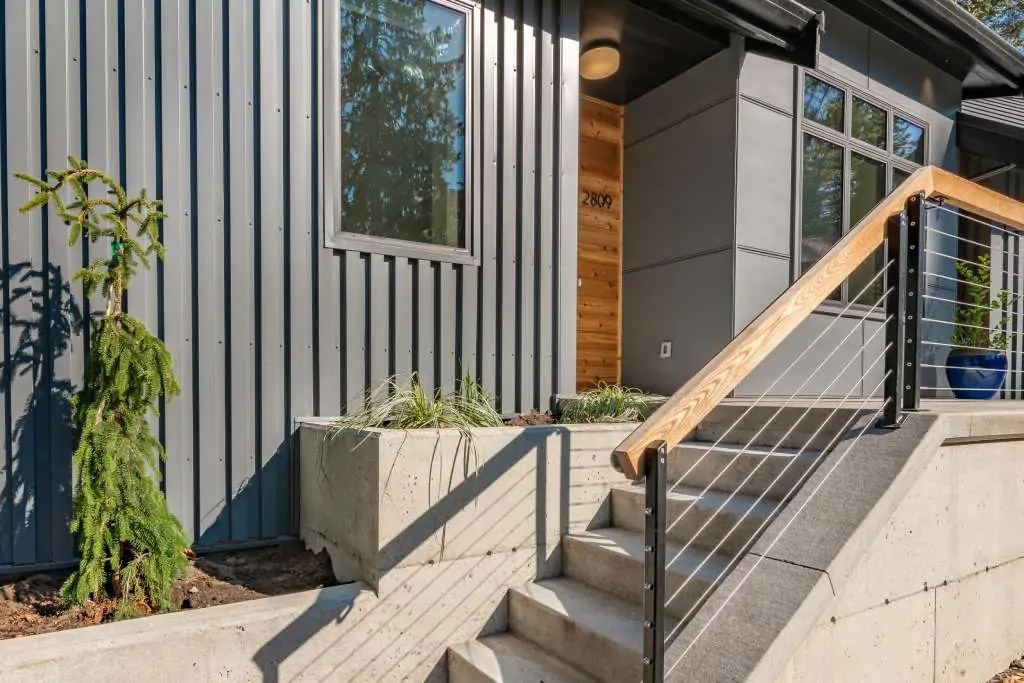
<point x="597" y="632"/>
<point x="505" y="658"/>
<point x="628" y="505"/>
<point x="734" y="464"/>
<point x="613" y="561"/>
<point x="720" y="423"/>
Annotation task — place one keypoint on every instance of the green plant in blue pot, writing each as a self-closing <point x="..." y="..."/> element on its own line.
<point x="976" y="366"/>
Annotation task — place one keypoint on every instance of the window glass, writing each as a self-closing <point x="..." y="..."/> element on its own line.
<point x="870" y="123"/>
<point x="403" y="104"/>
<point x="867" y="188"/>
<point x="822" y="210"/>
<point x="899" y="177"/>
<point x="824" y="103"/>
<point x="908" y="140"/>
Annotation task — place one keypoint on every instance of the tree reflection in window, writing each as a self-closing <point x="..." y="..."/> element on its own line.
<point x="908" y="140"/>
<point x="403" y="135"/>
<point x="824" y="103"/>
<point x="822" y="199"/>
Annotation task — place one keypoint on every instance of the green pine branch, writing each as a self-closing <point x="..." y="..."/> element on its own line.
<point x="132" y="548"/>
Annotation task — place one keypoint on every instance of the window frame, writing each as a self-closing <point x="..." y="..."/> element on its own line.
<point x="335" y="236"/>
<point x="849" y="146"/>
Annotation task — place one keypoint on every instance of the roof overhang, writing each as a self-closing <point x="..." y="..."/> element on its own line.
<point x="783" y="28"/>
<point x="949" y="37"/>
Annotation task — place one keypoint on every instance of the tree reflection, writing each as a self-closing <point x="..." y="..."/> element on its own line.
<point x="403" y="135"/>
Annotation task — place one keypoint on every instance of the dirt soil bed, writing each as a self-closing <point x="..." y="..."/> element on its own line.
<point x="31" y="605"/>
<point x="530" y="419"/>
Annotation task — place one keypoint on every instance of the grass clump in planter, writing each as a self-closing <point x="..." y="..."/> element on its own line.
<point x="606" y="403"/>
<point x="132" y="548"/>
<point x="398" y="404"/>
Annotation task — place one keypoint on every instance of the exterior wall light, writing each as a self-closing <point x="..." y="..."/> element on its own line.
<point x="599" y="62"/>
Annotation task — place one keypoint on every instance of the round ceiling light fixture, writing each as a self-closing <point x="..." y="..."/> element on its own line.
<point x="599" y="62"/>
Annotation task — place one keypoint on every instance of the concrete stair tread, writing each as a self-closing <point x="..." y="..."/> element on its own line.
<point x="631" y="543"/>
<point x="610" y="617"/>
<point x="712" y="500"/>
<point x="505" y="658"/>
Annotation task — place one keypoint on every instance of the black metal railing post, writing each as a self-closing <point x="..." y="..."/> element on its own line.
<point x="655" y="469"/>
<point x="895" y="315"/>
<point x="904" y="254"/>
<point x="915" y="265"/>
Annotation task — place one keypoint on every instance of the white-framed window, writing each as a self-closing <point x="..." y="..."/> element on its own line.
<point x="398" y="115"/>
<point x="853" y="150"/>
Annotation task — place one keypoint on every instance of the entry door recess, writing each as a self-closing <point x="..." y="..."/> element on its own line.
<point x="599" y="300"/>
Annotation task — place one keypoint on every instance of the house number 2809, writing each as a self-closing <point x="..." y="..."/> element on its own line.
<point x="596" y="199"/>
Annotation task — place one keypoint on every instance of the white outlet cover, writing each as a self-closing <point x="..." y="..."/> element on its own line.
<point x="666" y="349"/>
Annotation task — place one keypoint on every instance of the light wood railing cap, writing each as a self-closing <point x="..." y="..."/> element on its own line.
<point x="684" y="410"/>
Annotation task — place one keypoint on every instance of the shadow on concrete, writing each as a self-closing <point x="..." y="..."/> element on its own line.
<point x="411" y="603"/>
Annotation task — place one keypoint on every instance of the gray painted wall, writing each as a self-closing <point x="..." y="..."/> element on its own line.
<point x="765" y="207"/>
<point x="215" y="107"/>
<point x="678" y="203"/>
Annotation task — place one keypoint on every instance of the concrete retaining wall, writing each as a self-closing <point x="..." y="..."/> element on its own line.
<point x="431" y="535"/>
<point x="937" y="596"/>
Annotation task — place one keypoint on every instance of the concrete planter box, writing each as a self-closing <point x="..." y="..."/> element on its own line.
<point x="381" y="501"/>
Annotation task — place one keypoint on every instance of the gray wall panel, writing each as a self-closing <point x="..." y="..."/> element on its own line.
<point x="688" y="311"/>
<point x="679" y="188"/>
<point x="764" y="176"/>
<point x="217" y="108"/>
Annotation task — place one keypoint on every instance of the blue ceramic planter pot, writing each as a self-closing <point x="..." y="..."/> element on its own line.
<point x="975" y="374"/>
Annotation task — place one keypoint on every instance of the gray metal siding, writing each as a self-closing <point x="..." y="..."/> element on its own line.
<point x="1005" y="110"/>
<point x="216" y="107"/>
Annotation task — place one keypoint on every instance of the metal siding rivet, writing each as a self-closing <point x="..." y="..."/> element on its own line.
<point x="648" y="511"/>
<point x="648" y="586"/>
<point x="648" y="548"/>
<point x="647" y="661"/>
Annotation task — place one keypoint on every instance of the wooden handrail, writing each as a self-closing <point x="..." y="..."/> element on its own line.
<point x="682" y="412"/>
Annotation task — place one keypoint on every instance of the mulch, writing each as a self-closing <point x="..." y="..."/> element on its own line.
<point x="531" y="419"/>
<point x="31" y="605"/>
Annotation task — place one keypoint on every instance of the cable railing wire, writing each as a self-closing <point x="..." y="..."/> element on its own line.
<point x="782" y="375"/>
<point x="782" y="532"/>
<point x="792" y="490"/>
<point x="969" y="217"/>
<point x="785" y="469"/>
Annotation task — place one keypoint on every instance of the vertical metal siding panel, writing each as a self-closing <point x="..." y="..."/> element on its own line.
<point x="488" y="305"/>
<point x="140" y="137"/>
<point x="466" y="361"/>
<point x="303" y="374"/>
<point x="426" y="328"/>
<point x="6" y="420"/>
<point x="63" y="135"/>
<point x="568" y="189"/>
<point x="25" y="254"/>
<point x="402" y="340"/>
<point x="274" y="471"/>
<point x="329" y="315"/>
<point x="139" y="134"/>
<point x="244" y="504"/>
<point x="509" y="206"/>
<point x="379" y="318"/>
<point x="178" y="263"/>
<point x="546" y="234"/>
<point x="300" y="228"/>
<point x="355" y="329"/>
<point x="210" y="277"/>
<point x="527" y="216"/>
<point x="446" y="327"/>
